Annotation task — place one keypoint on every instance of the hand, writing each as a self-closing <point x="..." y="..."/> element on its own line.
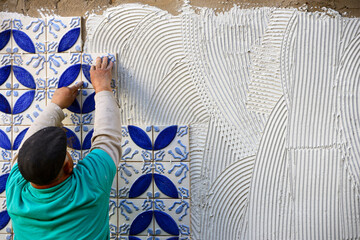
<point x="101" y="74"/>
<point x="65" y="96"/>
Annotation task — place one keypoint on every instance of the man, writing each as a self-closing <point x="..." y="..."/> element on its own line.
<point x="49" y="199"/>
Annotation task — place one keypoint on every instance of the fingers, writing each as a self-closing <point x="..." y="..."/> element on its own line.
<point x="111" y="64"/>
<point x="92" y="68"/>
<point x="104" y="62"/>
<point x="76" y="87"/>
<point x="98" y="62"/>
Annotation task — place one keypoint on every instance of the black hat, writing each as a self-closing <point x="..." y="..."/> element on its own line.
<point x="42" y="155"/>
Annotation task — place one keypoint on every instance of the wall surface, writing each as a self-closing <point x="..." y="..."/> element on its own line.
<point x="271" y="100"/>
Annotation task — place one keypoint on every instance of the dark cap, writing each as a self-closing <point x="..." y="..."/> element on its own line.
<point x="42" y="155"/>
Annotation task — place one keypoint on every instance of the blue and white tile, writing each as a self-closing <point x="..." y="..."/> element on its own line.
<point x="5" y="222"/>
<point x="29" y="71"/>
<point x="113" y="215"/>
<point x="6" y="106"/>
<point x="5" y="34"/>
<point x="28" y="35"/>
<point x="6" y="152"/>
<point x="5" y="168"/>
<point x="176" y="216"/>
<point x="89" y="59"/>
<point x="18" y="134"/>
<point x="73" y="134"/>
<point x="63" y="69"/>
<point x="86" y="135"/>
<point x="134" y="180"/>
<point x="171" y="179"/>
<point x="137" y="143"/>
<point x="63" y="34"/>
<point x="5" y="71"/>
<point x="135" y="217"/>
<point x="171" y="143"/>
<point x="8" y="236"/>
<point x="28" y="105"/>
<point x="87" y="106"/>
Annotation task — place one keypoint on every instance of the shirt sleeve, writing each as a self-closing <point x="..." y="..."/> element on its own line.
<point x="107" y="125"/>
<point x="97" y="168"/>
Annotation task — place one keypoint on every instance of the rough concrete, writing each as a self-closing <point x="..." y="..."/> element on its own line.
<point x="349" y="8"/>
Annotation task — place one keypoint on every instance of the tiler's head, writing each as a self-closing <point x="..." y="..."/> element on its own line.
<point x="43" y="158"/>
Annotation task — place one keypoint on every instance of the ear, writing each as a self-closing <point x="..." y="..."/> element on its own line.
<point x="68" y="167"/>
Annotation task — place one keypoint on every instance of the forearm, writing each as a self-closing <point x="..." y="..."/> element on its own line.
<point x="51" y="116"/>
<point x="107" y="126"/>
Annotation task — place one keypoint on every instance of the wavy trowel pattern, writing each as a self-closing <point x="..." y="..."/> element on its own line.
<point x="269" y="212"/>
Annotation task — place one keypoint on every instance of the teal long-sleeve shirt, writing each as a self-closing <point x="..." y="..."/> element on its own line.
<point x="78" y="208"/>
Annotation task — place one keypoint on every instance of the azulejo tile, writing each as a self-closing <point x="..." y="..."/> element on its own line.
<point x="113" y="216"/>
<point x="174" y="218"/>
<point x="171" y="143"/>
<point x="89" y="59"/>
<point x="134" y="181"/>
<point x="135" y="217"/>
<point x="87" y="106"/>
<point x="172" y="180"/>
<point x="5" y="71"/>
<point x="73" y="134"/>
<point x="87" y="132"/>
<point x="28" y="35"/>
<point x="29" y="71"/>
<point x="137" y="143"/>
<point x="63" y="34"/>
<point x="28" y="104"/>
<point x="5" y="222"/>
<point x="6" y="104"/>
<point x="5" y="35"/>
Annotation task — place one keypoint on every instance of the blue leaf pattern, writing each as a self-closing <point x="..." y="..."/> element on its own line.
<point x="4" y="141"/>
<point x="3" y="179"/>
<point x="4" y="219"/>
<point x="166" y="222"/>
<point x="72" y="140"/>
<point x="86" y="71"/>
<point x="4" y="105"/>
<point x="165" y="185"/>
<point x="139" y="137"/>
<point x="173" y="238"/>
<point x="69" y="39"/>
<point x="19" y="139"/>
<point x="140" y="185"/>
<point x="87" y="140"/>
<point x="4" y="38"/>
<point x="69" y="75"/>
<point x="4" y="73"/>
<point x="141" y="222"/>
<point x="24" y="77"/>
<point x="75" y="107"/>
<point x="24" y="102"/>
<point x="23" y="41"/>
<point x="89" y="104"/>
<point x="165" y="137"/>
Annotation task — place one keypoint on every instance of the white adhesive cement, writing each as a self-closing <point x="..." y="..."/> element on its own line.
<point x="272" y="98"/>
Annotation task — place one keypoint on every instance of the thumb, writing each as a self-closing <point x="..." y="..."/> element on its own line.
<point x="76" y="87"/>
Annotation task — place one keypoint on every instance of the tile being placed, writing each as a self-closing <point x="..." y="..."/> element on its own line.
<point x="29" y="71"/>
<point x="134" y="181"/>
<point x="63" y="34"/>
<point x="135" y="217"/>
<point x="171" y="180"/>
<point x="27" y="105"/>
<point x="5" y="35"/>
<point x="174" y="218"/>
<point x="5" y="71"/>
<point x="136" y="143"/>
<point x="89" y="59"/>
<point x="171" y="143"/>
<point x="28" y="35"/>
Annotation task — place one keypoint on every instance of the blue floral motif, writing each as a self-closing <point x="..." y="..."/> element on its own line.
<point x="87" y="140"/>
<point x="4" y="219"/>
<point x="24" y="102"/>
<point x="3" y="179"/>
<point x="24" y="77"/>
<point x="72" y="140"/>
<point x="23" y="41"/>
<point x="69" y="39"/>
<point x="4" y="73"/>
<point x="4" y="38"/>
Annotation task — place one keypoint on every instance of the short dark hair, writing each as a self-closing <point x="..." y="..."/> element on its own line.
<point x="42" y="155"/>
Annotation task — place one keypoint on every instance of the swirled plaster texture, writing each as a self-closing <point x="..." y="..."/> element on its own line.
<point x="272" y="99"/>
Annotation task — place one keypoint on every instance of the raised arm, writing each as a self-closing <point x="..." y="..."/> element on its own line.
<point x="53" y="114"/>
<point x="107" y="126"/>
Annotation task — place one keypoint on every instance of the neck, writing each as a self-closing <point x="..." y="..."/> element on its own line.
<point x="57" y="181"/>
